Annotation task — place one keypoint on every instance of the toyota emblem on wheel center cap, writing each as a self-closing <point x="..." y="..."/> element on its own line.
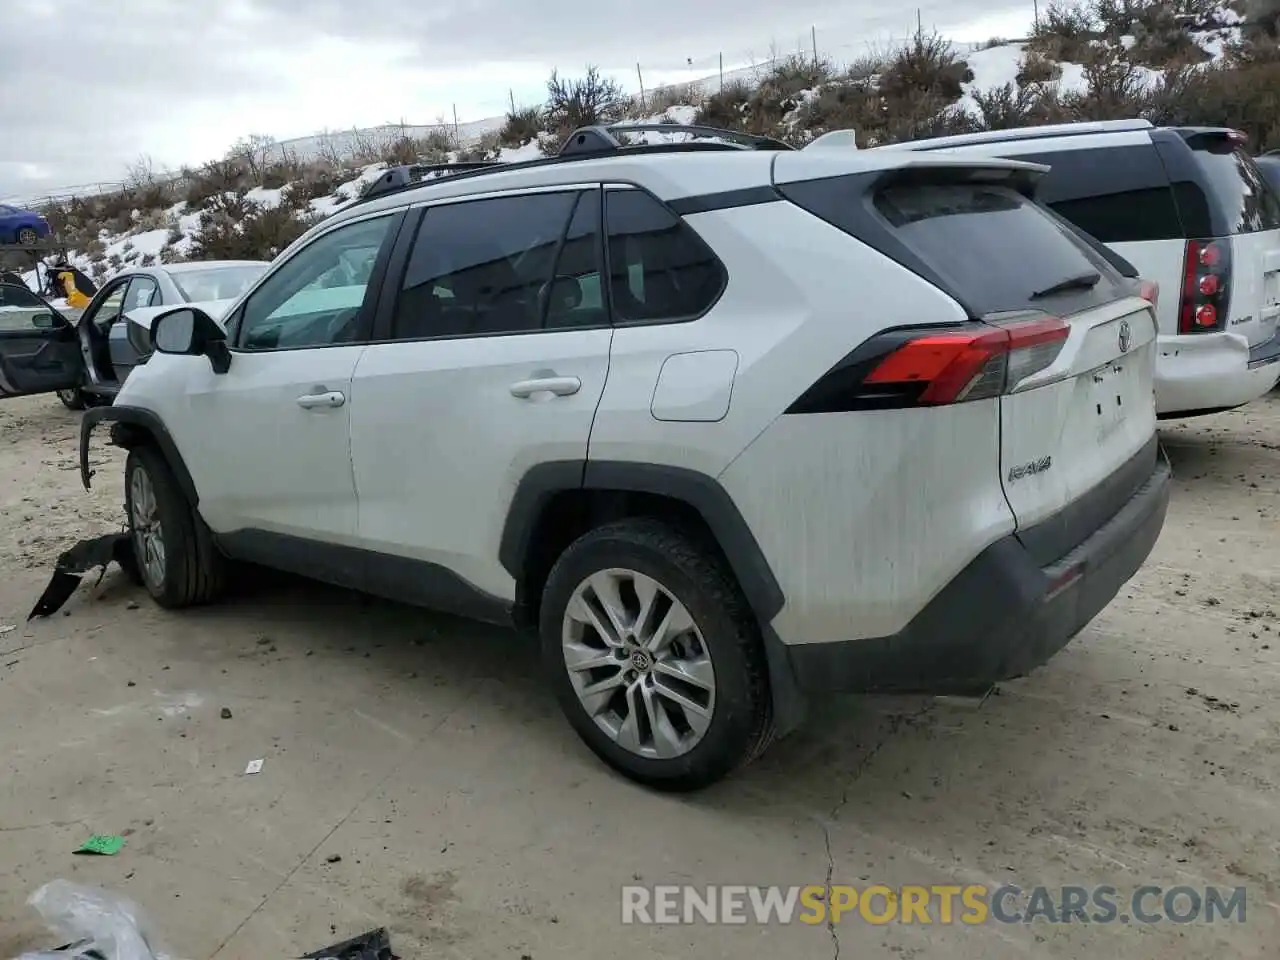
<point x="640" y="661"/>
<point x="1126" y="336"/>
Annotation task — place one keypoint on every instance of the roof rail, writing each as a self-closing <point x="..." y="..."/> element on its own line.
<point x="583" y="144"/>
<point x="412" y="174"/>
<point x="1023" y="133"/>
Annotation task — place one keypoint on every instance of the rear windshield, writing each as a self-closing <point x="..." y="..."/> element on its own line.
<point x="996" y="250"/>
<point x="1238" y="188"/>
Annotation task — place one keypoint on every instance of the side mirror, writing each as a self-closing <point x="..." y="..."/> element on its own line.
<point x="188" y="331"/>
<point x="44" y="321"/>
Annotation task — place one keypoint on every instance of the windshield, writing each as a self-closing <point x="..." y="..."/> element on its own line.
<point x="216" y="283"/>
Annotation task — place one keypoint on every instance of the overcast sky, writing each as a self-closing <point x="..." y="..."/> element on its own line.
<point x="89" y="86"/>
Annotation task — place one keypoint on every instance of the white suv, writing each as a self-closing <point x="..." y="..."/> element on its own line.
<point x="1192" y="211"/>
<point x="728" y="427"/>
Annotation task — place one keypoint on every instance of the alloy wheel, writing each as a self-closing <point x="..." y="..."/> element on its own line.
<point x="148" y="534"/>
<point x="638" y="663"/>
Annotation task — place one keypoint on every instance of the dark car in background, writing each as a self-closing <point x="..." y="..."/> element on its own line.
<point x="25" y="228"/>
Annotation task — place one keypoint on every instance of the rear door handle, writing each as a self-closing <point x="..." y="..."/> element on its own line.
<point x="328" y="399"/>
<point x="560" y="386"/>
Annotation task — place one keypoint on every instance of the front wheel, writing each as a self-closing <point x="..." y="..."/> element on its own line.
<point x="655" y="656"/>
<point x="176" y="558"/>
<point x="73" y="399"/>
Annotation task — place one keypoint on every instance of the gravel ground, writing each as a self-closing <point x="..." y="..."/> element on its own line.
<point x="418" y="775"/>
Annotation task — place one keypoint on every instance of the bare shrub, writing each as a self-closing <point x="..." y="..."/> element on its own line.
<point x="523" y="126"/>
<point x="583" y="101"/>
<point x="926" y="66"/>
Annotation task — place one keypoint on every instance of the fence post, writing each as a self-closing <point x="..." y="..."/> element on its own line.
<point x="813" y="34"/>
<point x="722" y="73"/>
<point x="640" y="77"/>
<point x="511" y="94"/>
<point x="457" y="134"/>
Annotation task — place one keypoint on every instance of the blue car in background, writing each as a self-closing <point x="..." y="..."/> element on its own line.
<point x="26" y="228"/>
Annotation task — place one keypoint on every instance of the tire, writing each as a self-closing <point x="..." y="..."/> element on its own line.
<point x="190" y="570"/>
<point x="73" y="399"/>
<point x="27" y="237"/>
<point x="657" y="559"/>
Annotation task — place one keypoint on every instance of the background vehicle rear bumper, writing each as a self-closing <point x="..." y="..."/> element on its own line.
<point x="1211" y="371"/>
<point x="1000" y="618"/>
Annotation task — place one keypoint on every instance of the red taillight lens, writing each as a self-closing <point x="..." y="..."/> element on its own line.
<point x="1206" y="282"/>
<point x="974" y="364"/>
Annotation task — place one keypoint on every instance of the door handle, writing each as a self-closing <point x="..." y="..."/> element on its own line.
<point x="329" y="399"/>
<point x="560" y="386"/>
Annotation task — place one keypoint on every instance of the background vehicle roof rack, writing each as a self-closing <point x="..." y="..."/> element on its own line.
<point x="411" y="174"/>
<point x="598" y="140"/>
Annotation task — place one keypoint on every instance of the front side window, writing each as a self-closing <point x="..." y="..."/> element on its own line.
<point x="659" y="269"/>
<point x="317" y="298"/>
<point x="108" y="308"/>
<point x="484" y="267"/>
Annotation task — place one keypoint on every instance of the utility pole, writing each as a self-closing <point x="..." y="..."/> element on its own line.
<point x="722" y="73"/>
<point x="813" y="35"/>
<point x="640" y="77"/>
<point x="1036" y="5"/>
<point x="512" y="95"/>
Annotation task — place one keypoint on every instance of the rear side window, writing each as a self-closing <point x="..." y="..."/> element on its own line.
<point x="1270" y="167"/>
<point x="659" y="269"/>
<point x="483" y="267"/>
<point x="1118" y="194"/>
<point x="995" y="250"/>
<point x="1236" y="187"/>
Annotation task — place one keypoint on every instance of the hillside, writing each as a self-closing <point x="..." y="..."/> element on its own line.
<point x="1186" y="62"/>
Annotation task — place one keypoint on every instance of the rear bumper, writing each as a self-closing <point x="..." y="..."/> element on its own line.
<point x="1212" y="371"/>
<point x="1001" y="617"/>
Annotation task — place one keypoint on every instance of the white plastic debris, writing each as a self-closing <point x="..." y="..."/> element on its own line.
<point x="94" y="925"/>
<point x="255" y="766"/>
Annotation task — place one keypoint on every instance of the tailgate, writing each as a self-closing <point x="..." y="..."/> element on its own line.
<point x="1070" y="427"/>
<point x="1255" y="286"/>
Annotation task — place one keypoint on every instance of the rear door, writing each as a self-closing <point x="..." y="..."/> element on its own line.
<point x="1078" y="406"/>
<point x="1225" y="196"/>
<point x="39" y="352"/>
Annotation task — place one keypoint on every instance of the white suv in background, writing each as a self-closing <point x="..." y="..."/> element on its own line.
<point x="1190" y="209"/>
<point x="727" y="427"/>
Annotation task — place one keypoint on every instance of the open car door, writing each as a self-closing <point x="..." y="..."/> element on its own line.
<point x="39" y="349"/>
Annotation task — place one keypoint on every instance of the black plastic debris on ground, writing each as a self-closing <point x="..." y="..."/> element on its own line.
<point x="374" y="945"/>
<point x="79" y="560"/>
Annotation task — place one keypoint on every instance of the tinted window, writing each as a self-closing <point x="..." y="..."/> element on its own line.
<point x="1270" y="167"/>
<point x="994" y="248"/>
<point x="576" y="298"/>
<point x="659" y="269"/>
<point x="316" y="297"/>
<point x="1238" y="189"/>
<point x="143" y="292"/>
<point x="481" y="267"/>
<point x="1118" y="195"/>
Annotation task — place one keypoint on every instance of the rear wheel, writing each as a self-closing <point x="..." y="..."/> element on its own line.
<point x="177" y="561"/>
<point x="655" y="655"/>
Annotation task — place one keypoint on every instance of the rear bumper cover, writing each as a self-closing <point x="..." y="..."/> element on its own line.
<point x="1212" y="371"/>
<point x="1001" y="617"/>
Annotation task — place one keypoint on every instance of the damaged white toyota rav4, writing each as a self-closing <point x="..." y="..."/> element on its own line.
<point x="728" y="424"/>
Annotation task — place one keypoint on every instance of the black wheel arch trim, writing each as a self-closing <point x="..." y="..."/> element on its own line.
<point x="698" y="490"/>
<point x="129" y="426"/>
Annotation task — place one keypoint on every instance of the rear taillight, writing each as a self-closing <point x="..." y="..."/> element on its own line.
<point x="952" y="367"/>
<point x="1206" y="286"/>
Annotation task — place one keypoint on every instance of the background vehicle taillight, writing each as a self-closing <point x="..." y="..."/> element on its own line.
<point x="942" y="368"/>
<point x="1206" y="286"/>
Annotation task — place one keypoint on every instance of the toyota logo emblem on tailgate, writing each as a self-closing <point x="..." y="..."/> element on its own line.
<point x="1126" y="336"/>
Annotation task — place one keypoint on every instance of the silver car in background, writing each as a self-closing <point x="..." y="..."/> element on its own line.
<point x="112" y="345"/>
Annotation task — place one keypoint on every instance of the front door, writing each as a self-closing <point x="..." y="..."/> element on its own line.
<point x="268" y="442"/>
<point x="498" y="355"/>
<point x="39" y="352"/>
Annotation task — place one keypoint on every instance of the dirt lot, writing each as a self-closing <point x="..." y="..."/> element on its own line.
<point x="425" y="754"/>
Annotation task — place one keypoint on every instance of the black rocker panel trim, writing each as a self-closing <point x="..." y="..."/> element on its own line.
<point x="701" y="492"/>
<point x="402" y="579"/>
<point x="131" y="426"/>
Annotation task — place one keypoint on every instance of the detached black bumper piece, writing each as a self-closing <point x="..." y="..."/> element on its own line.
<point x="1001" y="617"/>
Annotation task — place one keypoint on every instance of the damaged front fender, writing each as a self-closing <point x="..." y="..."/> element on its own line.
<point x="132" y="427"/>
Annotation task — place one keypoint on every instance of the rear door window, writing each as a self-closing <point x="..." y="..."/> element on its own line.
<point x="1237" y="188"/>
<point x="1117" y="194"/>
<point x="996" y="250"/>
